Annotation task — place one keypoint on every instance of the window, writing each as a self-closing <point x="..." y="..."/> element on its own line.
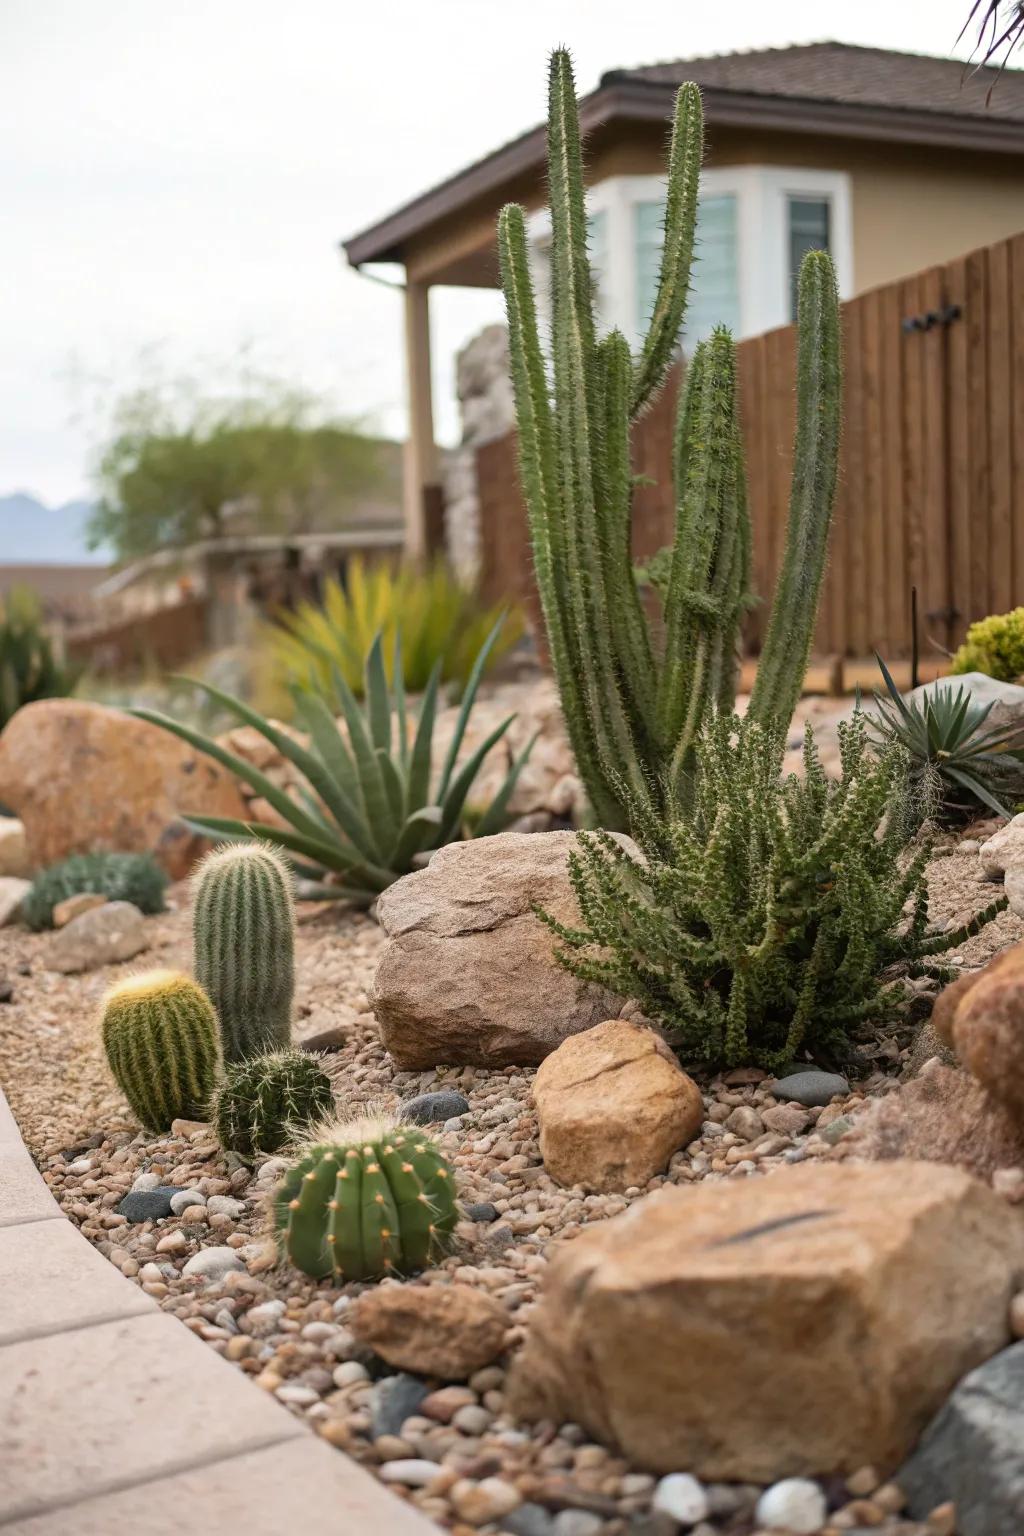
<point x="714" y="291"/>
<point x="809" y="221"/>
<point x="597" y="250"/>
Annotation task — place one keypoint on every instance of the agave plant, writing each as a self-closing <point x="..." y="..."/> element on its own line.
<point x="950" y="751"/>
<point x="369" y="811"/>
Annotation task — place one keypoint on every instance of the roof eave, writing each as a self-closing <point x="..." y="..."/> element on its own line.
<point x="651" y="101"/>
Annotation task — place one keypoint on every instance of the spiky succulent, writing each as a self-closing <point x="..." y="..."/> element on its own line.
<point x="243" y="924"/>
<point x="262" y="1103"/>
<point x="29" y="668"/>
<point x="160" y="1037"/>
<point x="634" y="701"/>
<point x="955" y="758"/>
<point x="366" y="1199"/>
<point x="995" y="646"/>
<point x="771" y="920"/>
<point x="370" y="811"/>
<point x="134" y="877"/>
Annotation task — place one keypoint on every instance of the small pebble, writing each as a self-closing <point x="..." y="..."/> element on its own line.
<point x="430" y="1108"/>
<point x="183" y="1198"/>
<point x="213" y="1263"/>
<point x="681" y="1496"/>
<point x="412" y="1474"/>
<point x="576" y="1522"/>
<point x="146" y="1181"/>
<point x="225" y="1205"/>
<point x="810" y="1088"/>
<point x="147" y="1204"/>
<point x="481" y="1210"/>
<point x="796" y="1506"/>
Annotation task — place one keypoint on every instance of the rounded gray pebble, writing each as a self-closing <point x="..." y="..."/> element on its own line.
<point x="183" y="1198"/>
<point x="213" y="1263"/>
<point x="812" y="1089"/>
<point x="148" y="1204"/>
<point x="481" y="1210"/>
<point x="429" y="1108"/>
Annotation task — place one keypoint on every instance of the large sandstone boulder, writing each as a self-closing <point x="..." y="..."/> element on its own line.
<point x="613" y="1106"/>
<point x="802" y="1324"/>
<point x="1004" y="850"/>
<point x="83" y="778"/>
<point x="941" y="1116"/>
<point x="468" y="975"/>
<point x="981" y="1016"/>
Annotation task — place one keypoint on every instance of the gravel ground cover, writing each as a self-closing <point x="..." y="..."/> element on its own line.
<point x="199" y="1241"/>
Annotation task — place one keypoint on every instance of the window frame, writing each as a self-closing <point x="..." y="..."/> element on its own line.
<point x="762" y="195"/>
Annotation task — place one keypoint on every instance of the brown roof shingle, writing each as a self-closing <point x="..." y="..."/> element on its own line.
<point x="844" y="72"/>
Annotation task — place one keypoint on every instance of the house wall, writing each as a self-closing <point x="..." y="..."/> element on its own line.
<point x="912" y="207"/>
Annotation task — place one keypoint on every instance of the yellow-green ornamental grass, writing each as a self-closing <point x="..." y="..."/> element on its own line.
<point x="160" y="1037"/>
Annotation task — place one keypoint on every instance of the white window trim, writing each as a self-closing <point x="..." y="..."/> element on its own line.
<point x="762" y="193"/>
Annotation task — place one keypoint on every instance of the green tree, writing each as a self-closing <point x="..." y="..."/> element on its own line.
<point x="176" y="460"/>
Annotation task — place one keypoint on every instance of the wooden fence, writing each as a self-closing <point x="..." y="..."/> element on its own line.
<point x="931" y="489"/>
<point x="163" y="639"/>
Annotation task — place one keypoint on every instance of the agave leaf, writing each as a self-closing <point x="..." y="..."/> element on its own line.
<point x="378" y="703"/>
<point x="401" y="719"/>
<point x="493" y="819"/>
<point x="417" y="791"/>
<point x="329" y="854"/>
<point x="468" y="698"/>
<point x="256" y="780"/>
<point x="451" y="806"/>
<point x="380" y="822"/>
<point x="971" y="782"/>
<point x="346" y="803"/>
<point x="420" y="832"/>
<point x="393" y="785"/>
<point x="894" y="692"/>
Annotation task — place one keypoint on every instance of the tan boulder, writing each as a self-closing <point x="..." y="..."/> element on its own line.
<point x="988" y="1028"/>
<point x="83" y="777"/>
<point x="468" y="975"/>
<point x="613" y="1106"/>
<point x="941" y="1116"/>
<point x="802" y="1324"/>
<point x="448" y="1331"/>
<point x="1003" y="849"/>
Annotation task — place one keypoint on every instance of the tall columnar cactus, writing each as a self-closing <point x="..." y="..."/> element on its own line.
<point x="160" y="1037"/>
<point x="244" y="938"/>
<point x="261" y="1102"/>
<point x="634" y="707"/>
<point x="365" y="1200"/>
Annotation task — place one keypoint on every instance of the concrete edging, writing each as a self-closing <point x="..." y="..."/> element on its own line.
<point x="111" y="1408"/>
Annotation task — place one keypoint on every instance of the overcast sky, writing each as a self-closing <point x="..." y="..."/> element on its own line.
<point x="179" y="176"/>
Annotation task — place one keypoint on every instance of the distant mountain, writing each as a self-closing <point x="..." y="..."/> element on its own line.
<point x="32" y="533"/>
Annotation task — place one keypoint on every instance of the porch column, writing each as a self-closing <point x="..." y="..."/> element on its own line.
<point x="423" y="496"/>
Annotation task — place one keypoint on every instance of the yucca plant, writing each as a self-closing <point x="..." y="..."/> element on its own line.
<point x="441" y="619"/>
<point x="955" y="760"/>
<point x="634" y="701"/>
<point x="29" y="669"/>
<point x="772" y="919"/>
<point x="369" y="811"/>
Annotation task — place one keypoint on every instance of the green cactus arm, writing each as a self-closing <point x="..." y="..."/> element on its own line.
<point x="415" y="1215"/>
<point x="380" y="1228"/>
<point x="787" y="645"/>
<point x="305" y="1232"/>
<point x="685" y="156"/>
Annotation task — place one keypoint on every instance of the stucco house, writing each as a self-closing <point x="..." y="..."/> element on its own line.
<point x="892" y="161"/>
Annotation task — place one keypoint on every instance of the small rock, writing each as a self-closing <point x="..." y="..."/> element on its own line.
<point x="446" y="1331"/>
<point x="745" y="1122"/>
<point x="14" y="856"/>
<point x="445" y="1403"/>
<point x="795" y="1505"/>
<point x="411" y="1474"/>
<point x="73" y="906"/>
<point x="225" y="1205"/>
<point x="786" y="1119"/>
<point x="148" y="1204"/>
<point x="146" y="1181"/>
<point x="183" y="1198"/>
<point x="173" y="1242"/>
<point x="812" y="1088"/>
<point x="213" y="1263"/>
<point x="297" y="1395"/>
<point x="333" y="1039"/>
<point x="12" y="894"/>
<point x="106" y="935"/>
<point x="477" y="1503"/>
<point x="682" y="1497"/>
<point x="431" y="1108"/>
<point x="348" y="1373"/>
<point x="395" y="1399"/>
<point x="481" y="1210"/>
<point x="186" y="1129"/>
<point x="576" y="1522"/>
<point x="528" y="1520"/>
<point x="836" y="1129"/>
<point x="265" y="1315"/>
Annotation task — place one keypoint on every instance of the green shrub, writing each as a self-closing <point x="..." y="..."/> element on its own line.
<point x="441" y="621"/>
<point x="956" y="764"/>
<point x="994" y="645"/>
<point x="29" y="669"/>
<point x="264" y="1101"/>
<point x="365" y="1200"/>
<point x="243" y="926"/>
<point x="634" y="701"/>
<point x="134" y="877"/>
<point x="770" y="920"/>
<point x="369" y="813"/>
<point x="160" y="1037"/>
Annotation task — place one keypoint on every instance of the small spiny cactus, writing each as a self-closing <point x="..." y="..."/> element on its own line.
<point x="263" y="1101"/>
<point x="160" y="1036"/>
<point x="365" y="1200"/>
<point x="244" y="939"/>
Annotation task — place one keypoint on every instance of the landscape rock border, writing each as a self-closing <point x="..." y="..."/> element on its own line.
<point x="107" y="1403"/>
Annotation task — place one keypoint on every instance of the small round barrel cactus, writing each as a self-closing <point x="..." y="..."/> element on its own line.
<point x="160" y="1035"/>
<point x="244" y="939"/>
<point x="263" y="1102"/>
<point x="365" y="1200"/>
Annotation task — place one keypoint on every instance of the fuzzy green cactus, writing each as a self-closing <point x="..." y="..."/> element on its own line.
<point x="634" y="702"/>
<point x="160" y="1036"/>
<point x="244" y="940"/>
<point x="367" y="1199"/>
<point x="265" y="1100"/>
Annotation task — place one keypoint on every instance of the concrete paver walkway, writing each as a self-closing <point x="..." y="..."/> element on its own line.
<point x="113" y="1416"/>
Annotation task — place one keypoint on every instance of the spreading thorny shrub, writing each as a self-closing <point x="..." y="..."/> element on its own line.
<point x="776" y="915"/>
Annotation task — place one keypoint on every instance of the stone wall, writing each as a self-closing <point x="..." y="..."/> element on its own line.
<point x="484" y="391"/>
